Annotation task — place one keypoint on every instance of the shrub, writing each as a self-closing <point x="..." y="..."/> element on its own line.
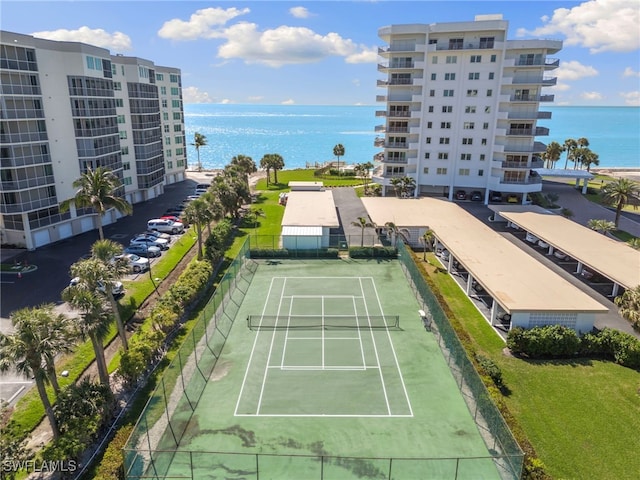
<point x="268" y="253"/>
<point x="111" y="466"/>
<point x="373" y="252"/>
<point x="490" y="368"/>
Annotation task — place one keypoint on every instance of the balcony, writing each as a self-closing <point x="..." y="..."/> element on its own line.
<point x="541" y="132"/>
<point x="404" y="129"/>
<point x="549" y="81"/>
<point x="23" y="137"/>
<point x="378" y="142"/>
<point x="395" y="161"/>
<point x="547" y="62"/>
<point x="526" y="181"/>
<point x="395" y="144"/>
<point x="544" y="115"/>
<point x="546" y="98"/>
<point x="520" y="132"/>
<point x="395" y="64"/>
<point x="379" y="129"/>
<point x="523" y="165"/>
<point x="17" y="113"/>
<point x="398" y="114"/>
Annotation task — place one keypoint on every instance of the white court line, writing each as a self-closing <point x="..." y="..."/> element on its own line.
<point x="266" y="367"/>
<point x="319" y="296"/>
<point x="291" y="339"/>
<point x="322" y="333"/>
<point x="318" y="368"/>
<point x="321" y="415"/>
<point x="393" y="350"/>
<point x="286" y="333"/>
<point x="355" y="309"/>
<point x="375" y="348"/>
<point x="253" y="349"/>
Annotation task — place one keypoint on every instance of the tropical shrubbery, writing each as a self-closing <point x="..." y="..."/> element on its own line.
<point x="555" y="341"/>
<point x="373" y="252"/>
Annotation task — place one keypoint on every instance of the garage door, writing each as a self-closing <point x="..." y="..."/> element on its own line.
<point x="86" y="224"/>
<point x="65" y="231"/>
<point x="41" y="238"/>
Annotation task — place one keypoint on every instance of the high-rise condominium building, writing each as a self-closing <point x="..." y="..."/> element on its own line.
<point x="462" y="109"/>
<point x="68" y="106"/>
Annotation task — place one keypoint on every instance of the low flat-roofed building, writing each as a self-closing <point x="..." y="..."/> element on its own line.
<point x="306" y="186"/>
<point x="308" y="218"/>
<point x="521" y="286"/>
<point x="608" y="257"/>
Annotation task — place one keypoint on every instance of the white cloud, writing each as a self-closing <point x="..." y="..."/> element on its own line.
<point x="560" y="87"/>
<point x="630" y="72"/>
<point x="195" y="95"/>
<point x="116" y="41"/>
<point x="288" y="102"/>
<point x="200" y="25"/>
<point x="284" y="45"/>
<point x="631" y="99"/>
<point x="299" y="12"/>
<point x="591" y="95"/>
<point x="600" y="25"/>
<point x="226" y="101"/>
<point x="574" y="70"/>
<point x="255" y="98"/>
<point x="366" y="55"/>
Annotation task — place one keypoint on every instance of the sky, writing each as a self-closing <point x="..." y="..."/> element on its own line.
<point x="325" y="52"/>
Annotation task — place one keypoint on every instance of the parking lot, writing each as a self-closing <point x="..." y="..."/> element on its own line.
<point x="45" y="284"/>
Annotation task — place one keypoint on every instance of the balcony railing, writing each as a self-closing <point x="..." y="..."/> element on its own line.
<point x="396" y="64"/>
<point x="520" y="131"/>
<point x="527" y="181"/>
<point x="400" y="114"/>
<point x="396" y="144"/>
<point x="395" y="160"/>
<point x="547" y="62"/>
<point x="541" y="131"/>
<point x="27" y="183"/>
<point x="523" y="165"/>
<point x="547" y="98"/>
<point x="398" y="129"/>
<point x="544" y="115"/>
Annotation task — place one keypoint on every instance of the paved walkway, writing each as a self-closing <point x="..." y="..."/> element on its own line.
<point x="350" y="207"/>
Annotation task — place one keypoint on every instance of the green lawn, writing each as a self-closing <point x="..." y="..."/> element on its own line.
<point x="306" y="175"/>
<point x="581" y="416"/>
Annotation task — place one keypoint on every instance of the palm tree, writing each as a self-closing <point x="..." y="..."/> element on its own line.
<point x="552" y="154"/>
<point x="28" y="349"/>
<point x="114" y="269"/>
<point x="275" y="162"/>
<point x="619" y="193"/>
<point x="629" y="303"/>
<point x="363" y="223"/>
<point x="265" y="164"/>
<point x="588" y="158"/>
<point x="396" y="182"/>
<point x="366" y="167"/>
<point x="427" y="241"/>
<point x="634" y="243"/>
<point x="97" y="189"/>
<point x="245" y="164"/>
<point x="393" y="231"/>
<point x="408" y="186"/>
<point x="338" y="151"/>
<point x="94" y="322"/>
<point x="569" y="146"/>
<point x="199" y="214"/>
<point x="199" y="140"/>
<point x="601" y="226"/>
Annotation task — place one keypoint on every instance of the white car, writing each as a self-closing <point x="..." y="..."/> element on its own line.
<point x="150" y="241"/>
<point x="531" y="238"/>
<point x="560" y="255"/>
<point x="165" y="225"/>
<point x="543" y="244"/>
<point x="136" y="263"/>
<point x="118" y="288"/>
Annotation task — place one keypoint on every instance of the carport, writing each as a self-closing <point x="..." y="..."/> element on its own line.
<point x="566" y="173"/>
<point x="598" y="253"/>
<point x="518" y="285"/>
<point x="308" y="218"/>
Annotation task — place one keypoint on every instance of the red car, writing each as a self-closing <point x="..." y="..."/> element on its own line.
<point x="174" y="219"/>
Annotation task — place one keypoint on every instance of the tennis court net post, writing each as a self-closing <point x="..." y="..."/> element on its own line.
<point x="327" y="322"/>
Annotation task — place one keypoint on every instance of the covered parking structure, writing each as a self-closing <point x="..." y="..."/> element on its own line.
<point x="600" y="254"/>
<point x="308" y="217"/>
<point x="578" y="175"/>
<point x="522" y="291"/>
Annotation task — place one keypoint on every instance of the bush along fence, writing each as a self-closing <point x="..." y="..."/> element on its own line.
<point x="507" y="454"/>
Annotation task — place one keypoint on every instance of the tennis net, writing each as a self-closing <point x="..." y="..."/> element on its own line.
<point x="327" y="322"/>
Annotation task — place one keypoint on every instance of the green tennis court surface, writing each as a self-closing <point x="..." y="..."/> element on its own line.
<point x="328" y="373"/>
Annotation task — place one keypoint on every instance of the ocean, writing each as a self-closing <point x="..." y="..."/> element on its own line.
<point x="306" y="134"/>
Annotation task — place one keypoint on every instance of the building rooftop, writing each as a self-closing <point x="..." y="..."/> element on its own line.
<point x="515" y="279"/>
<point x="309" y="209"/>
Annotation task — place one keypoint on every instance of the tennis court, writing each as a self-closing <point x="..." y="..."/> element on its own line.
<point x="327" y="372"/>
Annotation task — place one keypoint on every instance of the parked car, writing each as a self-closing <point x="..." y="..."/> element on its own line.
<point x="495" y="197"/>
<point x="543" y="244"/>
<point x="461" y="195"/>
<point x="137" y="264"/>
<point x="203" y="186"/>
<point x="165" y="225"/>
<point x="560" y="255"/>
<point x="531" y="238"/>
<point x="476" y="196"/>
<point x="513" y="199"/>
<point x="150" y="241"/>
<point x="191" y="198"/>
<point x="117" y="290"/>
<point x="157" y="234"/>
<point x="143" y="250"/>
<point x="176" y="219"/>
<point x="174" y="211"/>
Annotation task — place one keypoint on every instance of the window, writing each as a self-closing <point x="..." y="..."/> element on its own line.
<point x="472" y="93"/>
<point x="169" y="165"/>
<point x="444" y="140"/>
<point x="434" y="59"/>
<point x="443" y="156"/>
<point x="474" y="76"/>
<point x="493" y="58"/>
<point x="467" y="141"/>
<point x="448" y="93"/>
<point x="487" y="109"/>
<point x="160" y="77"/>
<point x="180" y="151"/>
<point x="90" y="63"/>
<point x="123" y="135"/>
<point x="425" y="170"/>
<point x="486" y="42"/>
<point x="427" y="156"/>
<point x="124" y="151"/>
<point x="476" y="58"/>
<point x="427" y="140"/>
<point x="165" y="128"/>
<point x="432" y="93"/>
<point x="449" y="76"/>
<point x="165" y="116"/>
<point x="164" y="104"/>
<point x="177" y="128"/>
<point x="119" y="102"/>
<point x="463" y="172"/>
<point x="177" y="116"/>
<point x="175" y="103"/>
<point x="470" y="109"/>
<point x="489" y="93"/>
<point x="469" y="125"/>
<point x="429" y="124"/>
<point x="173" y="78"/>
<point x="485" y="126"/>
<point x="168" y="153"/>
<point x="441" y="171"/>
<point x="451" y="59"/>
<point x="455" y="43"/>
<point x="447" y="109"/>
<point x="465" y="156"/>
<point x="445" y="124"/>
<point x="179" y="163"/>
<point x="430" y="108"/>
<point x="433" y="77"/>
<point x="127" y="181"/>
<point x="491" y="75"/>
<point x="177" y="140"/>
<point x="481" y="173"/>
<point x="175" y="91"/>
<point x="121" y="119"/>
<point x="163" y="90"/>
<point x="484" y="141"/>
<point x="114" y="69"/>
<point x="167" y="140"/>
<point x="482" y="157"/>
<point x="126" y="166"/>
<point x="117" y="86"/>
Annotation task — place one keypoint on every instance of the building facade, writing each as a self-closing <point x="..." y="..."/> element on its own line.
<point x="68" y="106"/>
<point x="461" y="109"/>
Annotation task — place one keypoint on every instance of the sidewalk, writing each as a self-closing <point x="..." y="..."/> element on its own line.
<point x="585" y="210"/>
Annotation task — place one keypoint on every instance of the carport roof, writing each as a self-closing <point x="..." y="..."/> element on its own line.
<point x="514" y="279"/>
<point x="611" y="258"/>
<point x="309" y="209"/>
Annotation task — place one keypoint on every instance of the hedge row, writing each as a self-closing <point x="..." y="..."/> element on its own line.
<point x="284" y="253"/>
<point x="556" y="341"/>
<point x="373" y="252"/>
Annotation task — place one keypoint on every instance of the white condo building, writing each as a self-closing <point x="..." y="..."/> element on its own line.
<point x="461" y="109"/>
<point x="66" y="106"/>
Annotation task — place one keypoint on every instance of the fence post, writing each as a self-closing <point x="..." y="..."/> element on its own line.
<point x="390" y="463"/>
<point x="257" y="468"/>
<point x="191" y="463"/>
